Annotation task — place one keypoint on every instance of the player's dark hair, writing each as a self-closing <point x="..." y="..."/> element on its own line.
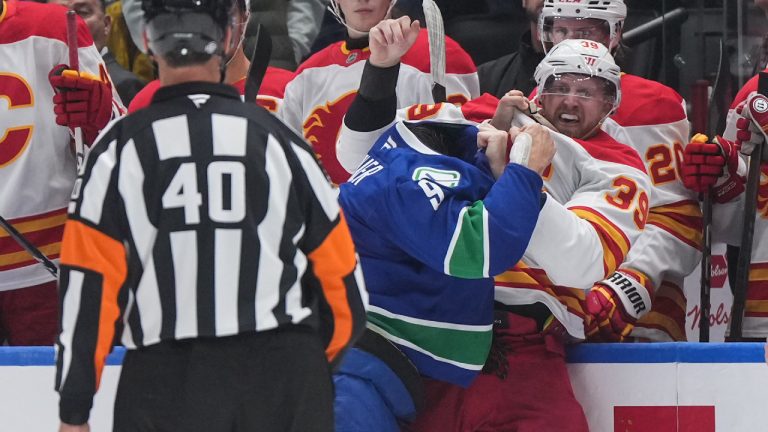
<point x="440" y="139"/>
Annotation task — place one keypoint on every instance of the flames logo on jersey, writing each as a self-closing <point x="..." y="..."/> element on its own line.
<point x="321" y="128"/>
<point x="762" y="193"/>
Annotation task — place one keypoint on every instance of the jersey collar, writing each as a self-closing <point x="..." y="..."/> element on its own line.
<point x="197" y="87"/>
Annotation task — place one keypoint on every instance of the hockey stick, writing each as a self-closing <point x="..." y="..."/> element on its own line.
<point x="436" y="37"/>
<point x="706" y="247"/>
<point x="259" y="59"/>
<point x="748" y="228"/>
<point x="29" y="247"/>
<point x="74" y="64"/>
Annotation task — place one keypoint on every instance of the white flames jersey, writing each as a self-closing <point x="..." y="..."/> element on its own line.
<point x="596" y="208"/>
<point x="37" y="164"/>
<point x="652" y="120"/>
<point x="727" y="224"/>
<point x="324" y="86"/>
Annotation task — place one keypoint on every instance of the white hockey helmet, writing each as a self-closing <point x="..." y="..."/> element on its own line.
<point x="613" y="12"/>
<point x="582" y="57"/>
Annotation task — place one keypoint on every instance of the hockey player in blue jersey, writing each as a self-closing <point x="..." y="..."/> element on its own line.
<point x="434" y="219"/>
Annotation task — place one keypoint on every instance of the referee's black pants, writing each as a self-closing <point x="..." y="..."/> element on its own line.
<point x="270" y="381"/>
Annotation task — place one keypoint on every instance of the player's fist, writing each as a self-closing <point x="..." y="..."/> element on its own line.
<point x="494" y="143"/>
<point x="613" y="306"/>
<point x="390" y="39"/>
<point x="752" y="123"/>
<point x="509" y="104"/>
<point x="713" y="166"/>
<point x="532" y="147"/>
<point x="81" y="100"/>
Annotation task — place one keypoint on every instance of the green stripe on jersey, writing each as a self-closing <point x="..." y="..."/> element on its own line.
<point x="468" y="347"/>
<point x="467" y="255"/>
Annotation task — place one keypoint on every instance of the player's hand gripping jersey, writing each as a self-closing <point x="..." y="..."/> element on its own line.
<point x="37" y="164"/>
<point x="596" y="209"/>
<point x="325" y="85"/>
<point x="652" y="120"/>
<point x="727" y="224"/>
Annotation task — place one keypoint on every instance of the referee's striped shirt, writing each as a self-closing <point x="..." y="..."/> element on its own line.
<point x="200" y="216"/>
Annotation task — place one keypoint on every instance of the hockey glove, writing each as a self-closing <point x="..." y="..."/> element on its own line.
<point x="713" y="165"/>
<point x="752" y="123"/>
<point x="81" y="100"/>
<point x="613" y="306"/>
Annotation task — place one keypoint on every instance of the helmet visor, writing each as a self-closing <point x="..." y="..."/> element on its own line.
<point x="584" y="87"/>
<point x="557" y="29"/>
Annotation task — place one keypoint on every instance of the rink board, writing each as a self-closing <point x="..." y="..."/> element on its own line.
<point x="628" y="388"/>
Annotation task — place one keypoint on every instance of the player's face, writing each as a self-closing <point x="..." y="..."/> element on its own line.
<point x="575" y="104"/>
<point x="362" y="15"/>
<point x="559" y="29"/>
<point x="93" y="14"/>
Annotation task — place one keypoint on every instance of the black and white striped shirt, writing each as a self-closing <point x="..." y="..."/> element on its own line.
<point x="200" y="216"/>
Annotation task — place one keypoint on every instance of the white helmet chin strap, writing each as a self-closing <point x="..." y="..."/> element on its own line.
<point x="335" y="9"/>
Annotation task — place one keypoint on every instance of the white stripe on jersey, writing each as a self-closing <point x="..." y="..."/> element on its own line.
<point x="327" y="195"/>
<point x="184" y="252"/>
<point x="360" y="281"/>
<point x="172" y="137"/>
<point x="270" y="265"/>
<point x="148" y="302"/>
<point x="130" y="184"/>
<point x="454" y="240"/>
<point x="293" y="305"/>
<point x="227" y="252"/>
<point x="71" y="308"/>
<point x="127" y="336"/>
<point x="229" y="135"/>
<point x="96" y="189"/>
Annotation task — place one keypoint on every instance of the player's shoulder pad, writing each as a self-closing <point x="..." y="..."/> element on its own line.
<point x="480" y="108"/>
<point x="334" y="54"/>
<point x="143" y="98"/>
<point x="24" y="19"/>
<point x="275" y="80"/>
<point x="647" y="102"/>
<point x="743" y="94"/>
<point x="603" y="147"/>
<point x="457" y="61"/>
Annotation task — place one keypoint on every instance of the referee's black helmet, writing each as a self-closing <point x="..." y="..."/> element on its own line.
<point x="187" y="32"/>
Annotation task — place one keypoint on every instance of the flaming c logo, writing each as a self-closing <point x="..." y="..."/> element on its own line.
<point x="321" y="128"/>
<point x="14" y="139"/>
<point x="762" y="193"/>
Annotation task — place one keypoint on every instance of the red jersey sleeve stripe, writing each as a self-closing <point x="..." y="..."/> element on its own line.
<point x="682" y="221"/>
<point x="615" y="243"/>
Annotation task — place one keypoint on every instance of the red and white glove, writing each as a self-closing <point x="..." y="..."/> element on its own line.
<point x="82" y="100"/>
<point x="713" y="165"/>
<point x="752" y="123"/>
<point x="613" y="306"/>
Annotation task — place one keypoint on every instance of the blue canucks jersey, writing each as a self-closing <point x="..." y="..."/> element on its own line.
<point x="432" y="230"/>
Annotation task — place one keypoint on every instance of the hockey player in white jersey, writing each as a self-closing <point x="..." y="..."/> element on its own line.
<point x="595" y="210"/>
<point x="721" y="167"/>
<point x="651" y="119"/>
<point x="319" y="95"/>
<point x="37" y="164"/>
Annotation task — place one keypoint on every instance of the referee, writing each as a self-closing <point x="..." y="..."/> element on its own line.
<point x="204" y="231"/>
